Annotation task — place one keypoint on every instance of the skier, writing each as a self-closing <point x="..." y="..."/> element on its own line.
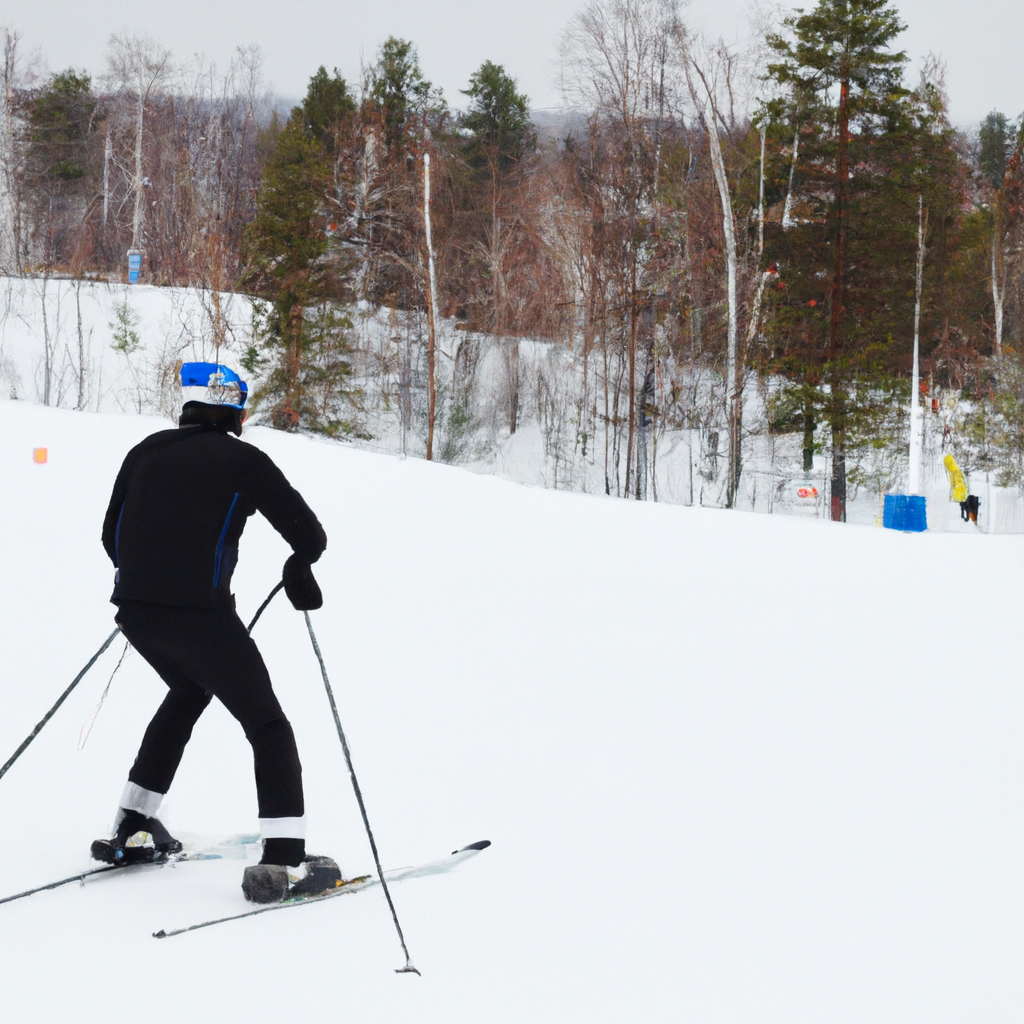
<point x="176" y="513"/>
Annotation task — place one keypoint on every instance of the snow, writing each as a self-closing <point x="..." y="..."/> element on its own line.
<point x="730" y="772"/>
<point x="547" y="448"/>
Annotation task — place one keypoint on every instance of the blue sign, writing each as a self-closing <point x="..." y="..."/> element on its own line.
<point x="134" y="265"/>
<point x="907" y="512"/>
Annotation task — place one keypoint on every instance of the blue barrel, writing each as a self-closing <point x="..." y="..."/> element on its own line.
<point x="134" y="265"/>
<point x="905" y="512"/>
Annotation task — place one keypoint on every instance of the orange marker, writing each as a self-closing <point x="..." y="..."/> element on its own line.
<point x="39" y="456"/>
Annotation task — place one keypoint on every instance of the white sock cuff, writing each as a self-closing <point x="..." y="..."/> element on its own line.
<point x="145" y="801"/>
<point x="283" y="828"/>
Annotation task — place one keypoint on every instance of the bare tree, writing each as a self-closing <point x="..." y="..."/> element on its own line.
<point x="14" y="74"/>
<point x="712" y="67"/>
<point x="614" y="56"/>
<point x="136" y="66"/>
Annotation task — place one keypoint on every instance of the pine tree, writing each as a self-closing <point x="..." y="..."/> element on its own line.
<point x="496" y="137"/>
<point x="300" y="334"/>
<point x="498" y="119"/>
<point x="325" y="108"/>
<point x="995" y="144"/>
<point x="403" y="117"/>
<point x="59" y="169"/>
<point x="846" y="95"/>
<point x="399" y="91"/>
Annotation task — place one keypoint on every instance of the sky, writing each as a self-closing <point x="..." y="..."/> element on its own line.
<point x="981" y="49"/>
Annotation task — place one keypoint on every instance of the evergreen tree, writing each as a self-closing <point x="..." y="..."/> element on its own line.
<point x="301" y="333"/>
<point x="399" y="91"/>
<point x="326" y="106"/>
<point x="846" y="94"/>
<point x="403" y="118"/>
<point x="498" y="119"/>
<point x="995" y="143"/>
<point x="496" y="137"/>
<point x="59" y="166"/>
<point x="60" y="122"/>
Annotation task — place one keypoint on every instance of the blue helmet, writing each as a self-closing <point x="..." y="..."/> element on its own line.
<point x="212" y="384"/>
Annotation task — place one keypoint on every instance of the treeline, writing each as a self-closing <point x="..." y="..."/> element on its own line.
<point x="784" y="218"/>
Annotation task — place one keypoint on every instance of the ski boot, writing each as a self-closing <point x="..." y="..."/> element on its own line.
<point x="274" y="883"/>
<point x="136" y="840"/>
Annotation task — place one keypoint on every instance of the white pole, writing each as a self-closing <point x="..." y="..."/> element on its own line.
<point x="914" y="471"/>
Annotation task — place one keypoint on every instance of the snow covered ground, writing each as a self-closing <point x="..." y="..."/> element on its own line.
<point x="735" y="767"/>
<point x="76" y="322"/>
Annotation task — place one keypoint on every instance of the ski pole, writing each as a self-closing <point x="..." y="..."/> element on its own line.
<point x="408" y="968"/>
<point x="92" y="661"/>
<point x="270" y="597"/>
<point x="63" y="697"/>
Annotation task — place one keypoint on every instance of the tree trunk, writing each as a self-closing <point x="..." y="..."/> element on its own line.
<point x="607" y="410"/>
<point x="760" y="198"/>
<point x="10" y="200"/>
<point x="431" y="383"/>
<point x="838" y="489"/>
<point x="107" y="150"/>
<point x="293" y="396"/>
<point x="787" y="208"/>
<point x="838" y="503"/>
<point x="137" y="184"/>
<point x="512" y="373"/>
<point x="47" y="347"/>
<point x="997" y="289"/>
<point x="914" y="469"/>
<point x="734" y="370"/>
<point x="632" y="370"/>
<point x="809" y="427"/>
<point x="80" y="404"/>
<point x="734" y="387"/>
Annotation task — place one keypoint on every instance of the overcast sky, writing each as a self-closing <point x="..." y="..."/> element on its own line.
<point x="981" y="41"/>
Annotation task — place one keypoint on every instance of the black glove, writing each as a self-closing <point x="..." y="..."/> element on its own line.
<point x="300" y="585"/>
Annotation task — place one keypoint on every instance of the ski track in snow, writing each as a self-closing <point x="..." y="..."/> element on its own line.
<point x="735" y="767"/>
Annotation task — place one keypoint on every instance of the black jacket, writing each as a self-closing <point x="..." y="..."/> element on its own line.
<point x="179" y="506"/>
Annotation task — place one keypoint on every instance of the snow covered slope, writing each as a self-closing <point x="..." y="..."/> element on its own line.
<point x="735" y="767"/>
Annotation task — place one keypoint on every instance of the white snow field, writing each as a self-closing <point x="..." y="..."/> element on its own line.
<point x="735" y="767"/>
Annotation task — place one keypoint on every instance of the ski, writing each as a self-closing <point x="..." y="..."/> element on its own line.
<point x="436" y="867"/>
<point x="218" y="851"/>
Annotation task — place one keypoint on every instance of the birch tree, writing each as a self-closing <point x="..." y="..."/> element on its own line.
<point x="1007" y="216"/>
<point x="704" y="67"/>
<point x="13" y="74"/>
<point x="137" y="66"/>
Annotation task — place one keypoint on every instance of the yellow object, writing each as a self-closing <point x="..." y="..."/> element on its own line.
<point x="39" y="455"/>
<point x="957" y="484"/>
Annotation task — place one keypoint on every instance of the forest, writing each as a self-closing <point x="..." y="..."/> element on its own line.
<point x="738" y="244"/>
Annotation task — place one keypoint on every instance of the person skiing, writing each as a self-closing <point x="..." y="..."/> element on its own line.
<point x="178" y="508"/>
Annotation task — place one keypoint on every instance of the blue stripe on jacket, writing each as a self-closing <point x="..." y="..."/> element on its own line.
<point x="220" y="542"/>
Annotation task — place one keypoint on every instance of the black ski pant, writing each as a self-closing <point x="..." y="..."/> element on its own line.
<point x="201" y="654"/>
